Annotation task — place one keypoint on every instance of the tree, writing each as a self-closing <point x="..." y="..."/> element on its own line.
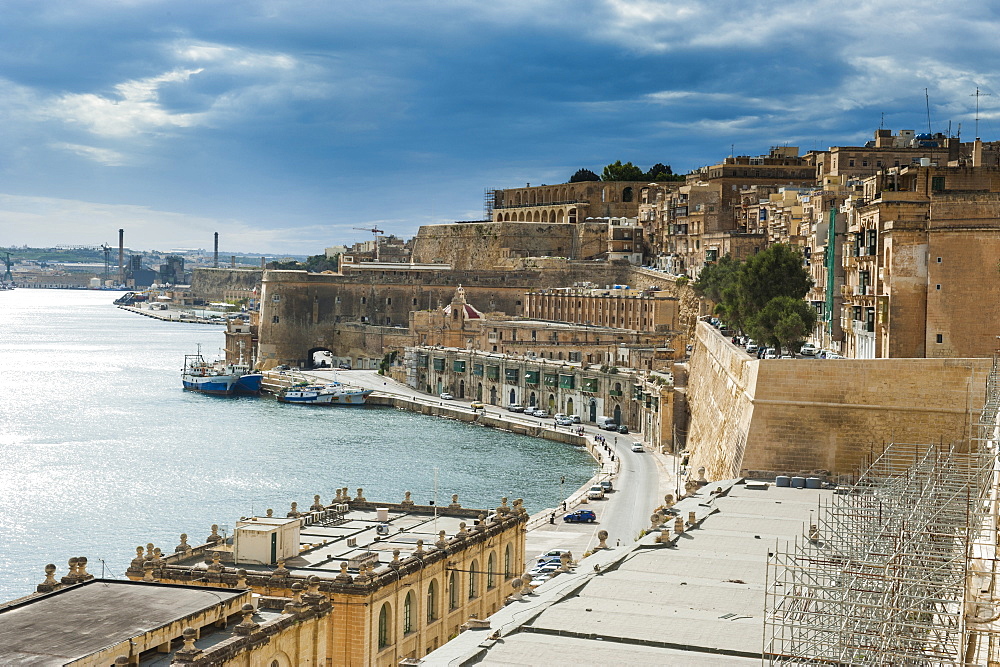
<point x="714" y="278"/>
<point x="622" y="172"/>
<point x="659" y="172"/>
<point x="784" y="322"/>
<point x="583" y="175"/>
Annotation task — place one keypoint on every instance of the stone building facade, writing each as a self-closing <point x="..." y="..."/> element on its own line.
<point x="398" y="589"/>
<point x="567" y="202"/>
<point x="616" y="306"/>
<point x="920" y="261"/>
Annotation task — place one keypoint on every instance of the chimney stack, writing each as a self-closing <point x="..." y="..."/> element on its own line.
<point x="121" y="256"/>
<point x="216" y="264"/>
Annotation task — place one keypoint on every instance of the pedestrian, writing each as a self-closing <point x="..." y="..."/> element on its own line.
<point x="564" y="506"/>
<point x="552" y="518"/>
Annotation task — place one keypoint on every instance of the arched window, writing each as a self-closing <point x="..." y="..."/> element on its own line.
<point x="506" y="563"/>
<point x="408" y="613"/>
<point x="383" y="627"/>
<point x="491" y="577"/>
<point x="627" y="194"/>
<point x="453" y="591"/>
<point x="432" y="603"/>
<point x="473" y="580"/>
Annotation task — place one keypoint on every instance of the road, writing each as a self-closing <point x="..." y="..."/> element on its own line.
<point x="638" y="477"/>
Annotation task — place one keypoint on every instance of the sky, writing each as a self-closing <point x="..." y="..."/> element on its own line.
<point x="285" y="125"/>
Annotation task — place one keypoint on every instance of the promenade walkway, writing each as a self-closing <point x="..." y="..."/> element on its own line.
<point x="640" y="479"/>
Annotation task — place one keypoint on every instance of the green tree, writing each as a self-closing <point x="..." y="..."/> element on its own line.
<point x="776" y="271"/>
<point x="659" y="172"/>
<point x="784" y="322"/>
<point x="583" y="175"/>
<point x="715" y="278"/>
<point x="622" y="172"/>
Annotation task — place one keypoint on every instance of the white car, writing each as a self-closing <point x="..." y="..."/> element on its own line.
<point x="808" y="350"/>
<point x="445" y="396"/>
<point x="637" y="447"/>
<point x="557" y="416"/>
<point x="564" y="421"/>
<point x="541" y="413"/>
<point x="596" y="492"/>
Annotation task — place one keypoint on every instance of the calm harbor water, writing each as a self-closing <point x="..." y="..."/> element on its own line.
<point x="101" y="450"/>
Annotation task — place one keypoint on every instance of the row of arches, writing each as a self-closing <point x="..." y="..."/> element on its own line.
<point x="458" y="589"/>
<point x="566" y="195"/>
<point x="556" y="215"/>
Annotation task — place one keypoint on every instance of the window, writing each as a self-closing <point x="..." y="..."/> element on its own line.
<point x="274" y="320"/>
<point x="388" y="300"/>
<point x="850" y="163"/>
<point x="337" y="300"/>
<point x="491" y="573"/>
<point x="473" y="581"/>
<point x="938" y="287"/>
<point x="939" y="260"/>
<point x="414" y="302"/>
<point x="408" y="613"/>
<point x="453" y="591"/>
<point x="940" y="338"/>
<point x="937" y="183"/>
<point x="276" y="297"/>
<point x="383" y="626"/>
<point x="506" y="558"/>
<point x="432" y="601"/>
<point x="364" y="299"/>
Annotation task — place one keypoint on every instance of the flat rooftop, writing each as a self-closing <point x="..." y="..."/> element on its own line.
<point x="700" y="601"/>
<point x="346" y="538"/>
<point x="80" y="620"/>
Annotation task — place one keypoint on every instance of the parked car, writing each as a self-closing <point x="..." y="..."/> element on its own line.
<point x="445" y="396"/>
<point x="606" y="483"/>
<point x="541" y="413"/>
<point x="623" y="428"/>
<point x="514" y="407"/>
<point x="476" y="405"/>
<point x="610" y="426"/>
<point x="637" y="447"/>
<point x="808" y="350"/>
<point x="541" y="570"/>
<point x="770" y="353"/>
<point x="596" y="492"/>
<point x="580" y="516"/>
<point x="559" y="415"/>
<point x="564" y="421"/>
<point x="752" y="347"/>
<point x="552" y="553"/>
<point x="576" y="419"/>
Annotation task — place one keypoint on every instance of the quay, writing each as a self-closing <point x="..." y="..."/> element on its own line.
<point x="171" y="315"/>
<point x="640" y="480"/>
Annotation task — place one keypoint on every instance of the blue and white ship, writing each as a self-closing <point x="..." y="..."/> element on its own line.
<point x="219" y="377"/>
<point x="333" y="393"/>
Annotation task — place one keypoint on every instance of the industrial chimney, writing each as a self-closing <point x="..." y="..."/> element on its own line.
<point x="216" y="265"/>
<point x="121" y="256"/>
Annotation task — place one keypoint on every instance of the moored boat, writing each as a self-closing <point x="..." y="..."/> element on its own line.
<point x="333" y="393"/>
<point x="219" y="377"/>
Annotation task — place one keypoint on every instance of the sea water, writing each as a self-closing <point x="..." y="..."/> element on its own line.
<point x="102" y="451"/>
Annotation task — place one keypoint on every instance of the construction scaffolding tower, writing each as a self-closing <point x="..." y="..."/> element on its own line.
<point x="489" y="200"/>
<point x="899" y="568"/>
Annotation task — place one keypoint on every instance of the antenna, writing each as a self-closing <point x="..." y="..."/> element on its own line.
<point x="881" y="125"/>
<point x="927" y="101"/>
<point x="977" y="96"/>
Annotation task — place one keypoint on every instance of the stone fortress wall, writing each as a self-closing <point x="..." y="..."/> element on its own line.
<point x="802" y="415"/>
<point x="214" y="284"/>
<point x="484" y="245"/>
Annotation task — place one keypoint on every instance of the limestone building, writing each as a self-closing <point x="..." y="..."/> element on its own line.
<point x="920" y="261"/>
<point x="616" y="306"/>
<point x="398" y="579"/>
<point x="566" y="202"/>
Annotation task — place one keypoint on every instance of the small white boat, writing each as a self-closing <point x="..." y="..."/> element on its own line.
<point x="333" y="393"/>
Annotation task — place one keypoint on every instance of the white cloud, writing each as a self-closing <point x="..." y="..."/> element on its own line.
<point x="134" y="110"/>
<point x="104" y="156"/>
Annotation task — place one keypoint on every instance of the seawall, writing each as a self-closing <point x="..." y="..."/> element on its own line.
<point x="804" y="415"/>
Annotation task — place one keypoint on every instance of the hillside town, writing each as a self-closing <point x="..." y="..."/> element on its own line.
<point x="772" y="332"/>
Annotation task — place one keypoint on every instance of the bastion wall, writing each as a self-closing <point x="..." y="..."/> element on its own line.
<point x="794" y="416"/>
<point x="214" y="284"/>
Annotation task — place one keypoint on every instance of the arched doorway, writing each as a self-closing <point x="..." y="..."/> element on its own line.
<point x="513" y="397"/>
<point x="493" y="395"/>
<point x="552" y="402"/>
<point x="569" y="406"/>
<point x="593" y="410"/>
<point x="479" y="392"/>
<point x="618" y="414"/>
<point x="440" y="386"/>
<point x="461" y="388"/>
<point x="319" y="357"/>
<point x="531" y="399"/>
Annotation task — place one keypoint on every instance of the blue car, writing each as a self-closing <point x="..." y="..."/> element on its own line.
<point x="581" y="516"/>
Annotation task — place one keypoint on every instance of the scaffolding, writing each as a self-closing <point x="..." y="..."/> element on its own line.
<point x="489" y="201"/>
<point x="901" y="566"/>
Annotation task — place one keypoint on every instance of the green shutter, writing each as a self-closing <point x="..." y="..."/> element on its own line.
<point x="477" y="369"/>
<point x="531" y="377"/>
<point x="422" y="360"/>
<point x="493" y="372"/>
<point x="438" y="364"/>
<point x="458" y="366"/>
<point x="590" y="385"/>
<point x="567" y="381"/>
<point x="551" y="380"/>
<point x="511" y="374"/>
